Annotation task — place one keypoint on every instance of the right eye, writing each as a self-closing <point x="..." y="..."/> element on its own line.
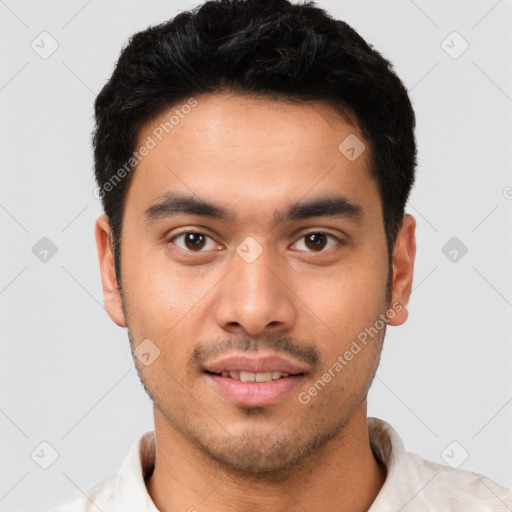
<point x="192" y="241"/>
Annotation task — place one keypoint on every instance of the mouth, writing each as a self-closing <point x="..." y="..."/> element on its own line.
<point x="246" y="376"/>
<point x="254" y="382"/>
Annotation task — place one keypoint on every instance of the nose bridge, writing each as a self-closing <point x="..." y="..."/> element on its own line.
<point x="255" y="278"/>
<point x="253" y="296"/>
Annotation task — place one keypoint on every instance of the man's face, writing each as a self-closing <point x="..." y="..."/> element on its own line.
<point x="263" y="282"/>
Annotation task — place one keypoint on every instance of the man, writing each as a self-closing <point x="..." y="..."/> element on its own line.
<point x="254" y="160"/>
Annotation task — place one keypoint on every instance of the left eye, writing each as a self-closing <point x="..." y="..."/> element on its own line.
<point x="317" y="241"/>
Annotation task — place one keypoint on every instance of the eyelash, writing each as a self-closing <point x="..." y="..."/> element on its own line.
<point x="329" y="235"/>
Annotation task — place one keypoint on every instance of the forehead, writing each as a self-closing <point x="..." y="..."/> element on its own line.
<point x="244" y="151"/>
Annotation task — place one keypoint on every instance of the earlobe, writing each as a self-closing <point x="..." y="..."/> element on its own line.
<point x="111" y="295"/>
<point x="404" y="254"/>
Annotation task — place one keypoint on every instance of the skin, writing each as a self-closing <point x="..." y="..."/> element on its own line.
<point x="255" y="157"/>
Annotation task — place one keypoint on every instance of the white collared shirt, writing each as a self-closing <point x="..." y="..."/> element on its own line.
<point x="412" y="483"/>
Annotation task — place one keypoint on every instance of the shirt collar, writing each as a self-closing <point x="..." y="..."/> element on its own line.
<point x="388" y="448"/>
<point x="130" y="492"/>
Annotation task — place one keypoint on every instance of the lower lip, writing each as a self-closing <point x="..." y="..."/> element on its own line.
<point x="255" y="394"/>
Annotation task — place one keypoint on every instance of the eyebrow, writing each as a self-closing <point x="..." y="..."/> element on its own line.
<point x="172" y="204"/>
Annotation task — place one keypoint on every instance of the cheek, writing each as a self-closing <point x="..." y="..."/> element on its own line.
<point x="160" y="291"/>
<point x="168" y="304"/>
<point x="348" y="299"/>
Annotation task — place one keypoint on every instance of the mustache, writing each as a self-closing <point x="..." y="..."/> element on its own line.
<point x="276" y="342"/>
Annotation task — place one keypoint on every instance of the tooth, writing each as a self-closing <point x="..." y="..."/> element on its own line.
<point x="247" y="376"/>
<point x="263" y="377"/>
<point x="279" y="375"/>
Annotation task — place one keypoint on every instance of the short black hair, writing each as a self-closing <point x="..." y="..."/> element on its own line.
<point x="272" y="49"/>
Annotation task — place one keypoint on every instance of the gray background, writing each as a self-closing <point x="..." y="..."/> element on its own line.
<point x="67" y="377"/>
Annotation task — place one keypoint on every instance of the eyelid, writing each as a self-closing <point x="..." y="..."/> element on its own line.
<point x="320" y="231"/>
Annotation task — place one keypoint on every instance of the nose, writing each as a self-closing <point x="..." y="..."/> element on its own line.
<point x="256" y="297"/>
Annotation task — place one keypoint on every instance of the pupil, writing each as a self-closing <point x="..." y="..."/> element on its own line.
<point x="316" y="241"/>
<point x="194" y="241"/>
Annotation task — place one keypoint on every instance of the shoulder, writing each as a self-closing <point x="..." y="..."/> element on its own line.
<point x="124" y="490"/>
<point x="457" y="490"/>
<point x="413" y="483"/>
<point x="99" y="497"/>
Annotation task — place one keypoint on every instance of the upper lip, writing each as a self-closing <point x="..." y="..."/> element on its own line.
<point x="259" y="364"/>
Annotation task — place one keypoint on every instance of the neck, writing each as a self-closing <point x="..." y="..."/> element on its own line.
<point x="343" y="476"/>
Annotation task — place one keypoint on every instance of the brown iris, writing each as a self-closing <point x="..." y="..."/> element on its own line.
<point x="194" y="241"/>
<point x="316" y="241"/>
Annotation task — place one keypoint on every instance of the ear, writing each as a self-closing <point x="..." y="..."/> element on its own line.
<point x="404" y="253"/>
<point x="111" y="295"/>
